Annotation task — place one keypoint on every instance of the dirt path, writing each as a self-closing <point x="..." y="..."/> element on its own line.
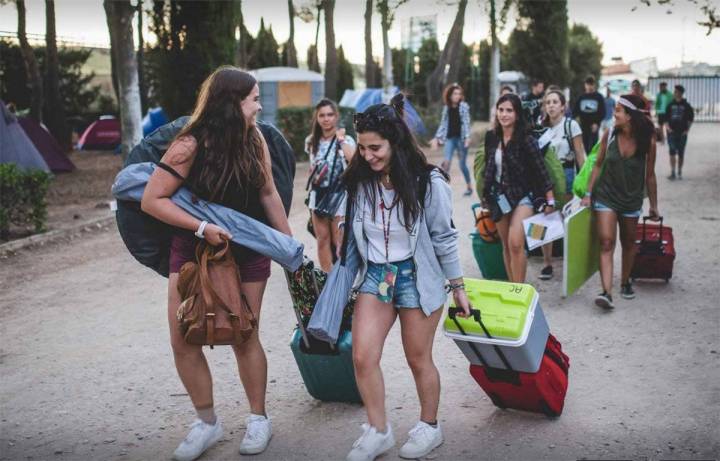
<point x="86" y="369"/>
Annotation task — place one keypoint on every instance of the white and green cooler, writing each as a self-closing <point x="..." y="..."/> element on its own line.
<point x="511" y="313"/>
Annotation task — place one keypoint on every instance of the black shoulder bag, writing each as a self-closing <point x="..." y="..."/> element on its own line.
<point x="328" y="199"/>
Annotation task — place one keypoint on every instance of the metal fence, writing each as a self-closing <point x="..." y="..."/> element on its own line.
<point x="703" y="93"/>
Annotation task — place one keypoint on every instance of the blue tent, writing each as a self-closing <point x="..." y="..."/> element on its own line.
<point x="359" y="100"/>
<point x="154" y="119"/>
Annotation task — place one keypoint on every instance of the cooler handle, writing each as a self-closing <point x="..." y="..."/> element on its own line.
<point x="452" y="313"/>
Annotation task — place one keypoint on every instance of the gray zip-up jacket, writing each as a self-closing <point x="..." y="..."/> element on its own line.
<point x="433" y="240"/>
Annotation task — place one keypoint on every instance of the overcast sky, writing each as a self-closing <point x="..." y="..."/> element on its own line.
<point x="646" y="32"/>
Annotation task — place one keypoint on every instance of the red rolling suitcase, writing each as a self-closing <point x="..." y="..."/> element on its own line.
<point x="655" y="254"/>
<point x="540" y="392"/>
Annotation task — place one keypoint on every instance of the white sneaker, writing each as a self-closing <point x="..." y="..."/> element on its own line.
<point x="201" y="437"/>
<point x="257" y="435"/>
<point x="423" y="439"/>
<point x="371" y="444"/>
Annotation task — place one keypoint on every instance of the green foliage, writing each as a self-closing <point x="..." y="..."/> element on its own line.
<point x="295" y="124"/>
<point x="22" y="198"/>
<point x="538" y="46"/>
<point x="313" y="61"/>
<point x="193" y="39"/>
<point x="345" y="79"/>
<point x="428" y="56"/>
<point x="399" y="63"/>
<point x="76" y="92"/>
<point x="585" y="57"/>
<point x="264" y="52"/>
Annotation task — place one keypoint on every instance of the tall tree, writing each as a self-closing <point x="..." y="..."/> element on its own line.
<point x="54" y="110"/>
<point x="387" y="8"/>
<point x="141" y="59"/>
<point x="241" y="57"/>
<point x="370" y="64"/>
<point x="585" y="57"/>
<point x="428" y="56"/>
<point x="31" y="66"/>
<point x="264" y="52"/>
<point x="345" y="80"/>
<point x="289" y="51"/>
<point x="119" y="15"/>
<point x="308" y="14"/>
<point x="539" y="44"/>
<point x="448" y="66"/>
<point x="331" y="61"/>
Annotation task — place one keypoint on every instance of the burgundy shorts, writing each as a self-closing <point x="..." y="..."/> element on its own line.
<point x="255" y="268"/>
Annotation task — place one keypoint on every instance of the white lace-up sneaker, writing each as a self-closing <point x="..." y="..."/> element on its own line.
<point x="257" y="435"/>
<point x="371" y="444"/>
<point x="201" y="437"/>
<point x="423" y="439"/>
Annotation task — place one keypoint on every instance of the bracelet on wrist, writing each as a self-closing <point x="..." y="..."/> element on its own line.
<point x="200" y="232"/>
<point x="454" y="286"/>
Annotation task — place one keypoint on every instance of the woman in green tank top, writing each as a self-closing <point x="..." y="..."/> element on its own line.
<point x="623" y="172"/>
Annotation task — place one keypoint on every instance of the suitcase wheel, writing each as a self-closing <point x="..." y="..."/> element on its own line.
<point x="497" y="401"/>
<point x="545" y="408"/>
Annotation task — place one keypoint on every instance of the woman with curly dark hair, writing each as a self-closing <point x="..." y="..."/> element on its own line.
<point x="623" y="171"/>
<point x="223" y="158"/>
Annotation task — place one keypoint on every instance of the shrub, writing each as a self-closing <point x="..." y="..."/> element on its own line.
<point x="22" y="198"/>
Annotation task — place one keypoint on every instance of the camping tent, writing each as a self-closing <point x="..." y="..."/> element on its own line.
<point x="102" y="134"/>
<point x="359" y="100"/>
<point x="46" y="145"/>
<point x="154" y="119"/>
<point x="15" y="146"/>
<point x="287" y="87"/>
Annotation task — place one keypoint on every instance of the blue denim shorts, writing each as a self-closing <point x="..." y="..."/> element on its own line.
<point x="599" y="206"/>
<point x="406" y="293"/>
<point x="526" y="201"/>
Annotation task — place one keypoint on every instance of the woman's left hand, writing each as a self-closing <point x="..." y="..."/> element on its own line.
<point x="340" y="135"/>
<point x="462" y="301"/>
<point x="654" y="214"/>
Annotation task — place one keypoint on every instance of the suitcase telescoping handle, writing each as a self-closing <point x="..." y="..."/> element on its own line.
<point x="301" y="326"/>
<point x="644" y="220"/>
<point x="452" y="313"/>
<point x="475" y="207"/>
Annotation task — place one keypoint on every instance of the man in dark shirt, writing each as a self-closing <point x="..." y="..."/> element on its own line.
<point x="590" y="109"/>
<point x="532" y="102"/>
<point x="680" y="116"/>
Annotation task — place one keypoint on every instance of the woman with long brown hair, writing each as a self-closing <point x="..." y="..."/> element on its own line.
<point x="330" y="151"/>
<point x="223" y="158"/>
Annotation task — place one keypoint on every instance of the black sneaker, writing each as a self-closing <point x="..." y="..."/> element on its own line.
<point x="679" y="176"/>
<point x="604" y="300"/>
<point x="626" y="291"/>
<point x="672" y="177"/>
<point x="546" y="273"/>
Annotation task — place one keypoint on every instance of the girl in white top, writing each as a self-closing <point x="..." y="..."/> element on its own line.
<point x="566" y="142"/>
<point x="330" y="150"/>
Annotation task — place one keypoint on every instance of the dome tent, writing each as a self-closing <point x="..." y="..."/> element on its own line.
<point x="282" y="87"/>
<point x="15" y="146"/>
<point x="359" y="100"/>
<point x="102" y="134"/>
<point x="46" y="145"/>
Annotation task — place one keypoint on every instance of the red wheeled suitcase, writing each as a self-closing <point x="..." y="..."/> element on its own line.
<point x="655" y="254"/>
<point x="541" y="392"/>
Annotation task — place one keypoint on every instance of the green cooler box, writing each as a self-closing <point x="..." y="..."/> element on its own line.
<point x="512" y="316"/>
<point x="489" y="257"/>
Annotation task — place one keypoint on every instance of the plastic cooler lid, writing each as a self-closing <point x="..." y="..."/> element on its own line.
<point x="504" y="308"/>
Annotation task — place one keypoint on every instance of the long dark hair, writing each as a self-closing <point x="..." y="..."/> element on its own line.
<point x="230" y="148"/>
<point x="409" y="167"/>
<point x="447" y="94"/>
<point x="316" y="132"/>
<point x="563" y="101"/>
<point x="642" y="128"/>
<point x="521" y="127"/>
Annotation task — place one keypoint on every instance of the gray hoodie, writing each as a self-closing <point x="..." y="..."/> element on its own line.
<point x="433" y="240"/>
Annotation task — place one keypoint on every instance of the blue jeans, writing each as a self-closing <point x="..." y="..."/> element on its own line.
<point x="406" y="293"/>
<point x="457" y="144"/>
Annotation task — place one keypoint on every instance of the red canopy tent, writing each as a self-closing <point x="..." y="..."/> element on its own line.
<point x="46" y="145"/>
<point x="102" y="134"/>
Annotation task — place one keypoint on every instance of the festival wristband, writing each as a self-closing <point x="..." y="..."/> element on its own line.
<point x="200" y="233"/>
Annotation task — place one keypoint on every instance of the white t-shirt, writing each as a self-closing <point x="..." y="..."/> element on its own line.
<point x="559" y="141"/>
<point x="498" y="164"/>
<point x="399" y="241"/>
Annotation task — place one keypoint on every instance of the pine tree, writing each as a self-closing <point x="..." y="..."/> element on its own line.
<point x="265" y="49"/>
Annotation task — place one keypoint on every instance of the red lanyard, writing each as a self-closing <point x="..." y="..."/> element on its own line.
<point x="386" y="230"/>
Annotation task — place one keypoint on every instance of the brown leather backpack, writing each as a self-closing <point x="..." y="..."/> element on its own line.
<point x="213" y="311"/>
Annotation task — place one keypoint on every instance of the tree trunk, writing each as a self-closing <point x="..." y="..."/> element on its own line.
<point x="449" y="59"/>
<point x="241" y="59"/>
<point x="291" y="52"/>
<point x="55" y="110"/>
<point x="369" y="61"/>
<point x="119" y="18"/>
<point x="494" y="60"/>
<point x="387" y="51"/>
<point x="141" y="60"/>
<point x="331" y="70"/>
<point x="31" y="66"/>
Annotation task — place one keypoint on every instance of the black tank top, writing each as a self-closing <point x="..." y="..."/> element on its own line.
<point x="242" y="197"/>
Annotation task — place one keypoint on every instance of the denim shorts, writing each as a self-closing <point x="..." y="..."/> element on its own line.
<point x="406" y="293"/>
<point x="569" y="178"/>
<point x="599" y="206"/>
<point x="526" y="201"/>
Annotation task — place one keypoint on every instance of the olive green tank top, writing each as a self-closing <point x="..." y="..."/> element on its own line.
<point x="621" y="185"/>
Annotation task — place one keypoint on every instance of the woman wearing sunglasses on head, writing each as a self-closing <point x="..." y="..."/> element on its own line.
<point x="402" y="223"/>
